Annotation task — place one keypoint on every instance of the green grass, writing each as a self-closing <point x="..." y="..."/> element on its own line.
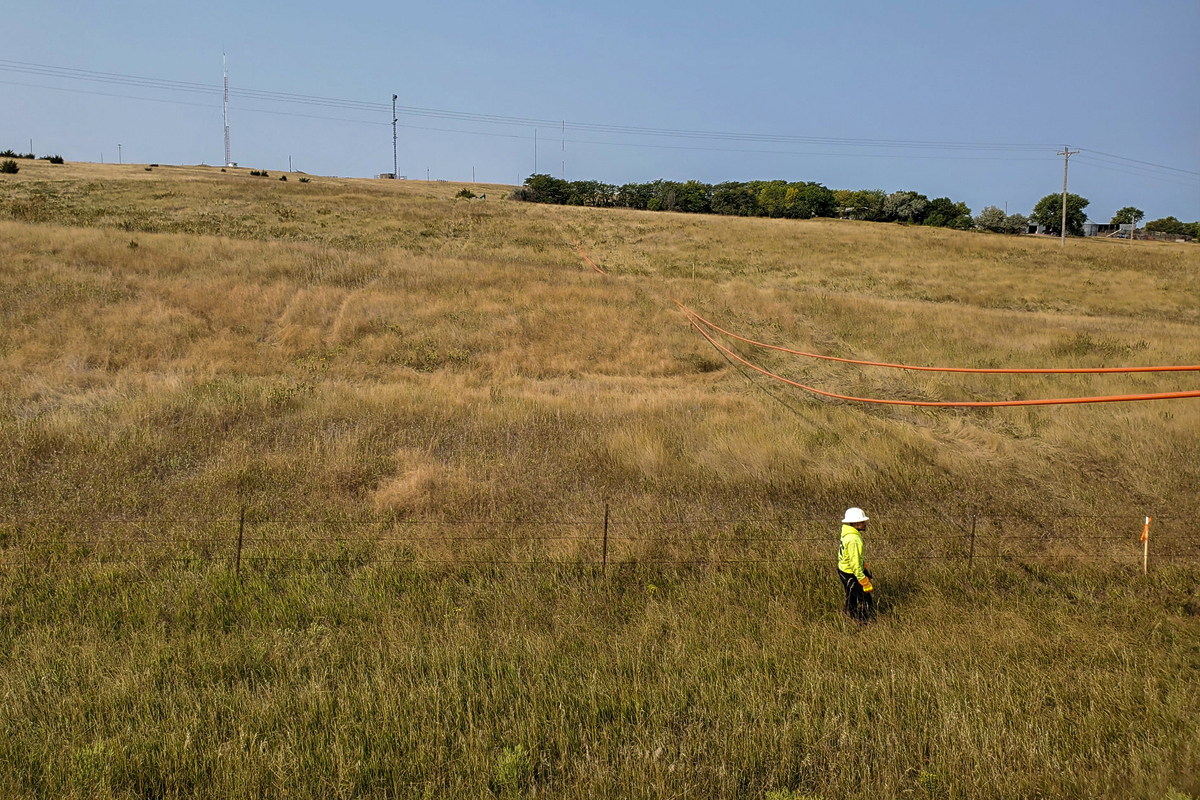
<point x="408" y="681"/>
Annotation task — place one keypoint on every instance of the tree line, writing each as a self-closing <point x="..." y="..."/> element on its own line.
<point x="776" y="199"/>
<point x="806" y="199"/>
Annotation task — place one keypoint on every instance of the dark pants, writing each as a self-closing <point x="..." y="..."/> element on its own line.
<point x="859" y="604"/>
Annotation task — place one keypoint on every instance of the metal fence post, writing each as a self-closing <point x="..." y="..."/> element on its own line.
<point x="604" y="554"/>
<point x="241" y="530"/>
<point x="971" y="556"/>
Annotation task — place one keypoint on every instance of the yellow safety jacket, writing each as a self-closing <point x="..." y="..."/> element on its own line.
<point x="850" y="554"/>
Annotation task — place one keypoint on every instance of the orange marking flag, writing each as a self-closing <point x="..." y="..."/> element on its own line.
<point x="1146" y="530"/>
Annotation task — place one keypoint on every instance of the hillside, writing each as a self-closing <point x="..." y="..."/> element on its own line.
<point x="350" y="488"/>
<point x="192" y="340"/>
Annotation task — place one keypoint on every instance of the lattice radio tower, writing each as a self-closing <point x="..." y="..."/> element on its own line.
<point x="225" y="64"/>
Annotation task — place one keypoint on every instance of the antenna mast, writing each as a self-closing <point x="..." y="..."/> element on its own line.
<point x="225" y="64"/>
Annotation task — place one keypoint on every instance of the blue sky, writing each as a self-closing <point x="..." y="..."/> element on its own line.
<point x="966" y="100"/>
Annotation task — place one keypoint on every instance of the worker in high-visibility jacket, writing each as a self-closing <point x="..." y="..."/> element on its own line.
<point x="852" y="566"/>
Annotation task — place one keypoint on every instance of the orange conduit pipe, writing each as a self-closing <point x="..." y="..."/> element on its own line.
<point x="588" y="260"/>
<point x="959" y="404"/>
<point x="1013" y="371"/>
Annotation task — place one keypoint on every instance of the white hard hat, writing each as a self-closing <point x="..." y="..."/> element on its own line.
<point x="854" y="515"/>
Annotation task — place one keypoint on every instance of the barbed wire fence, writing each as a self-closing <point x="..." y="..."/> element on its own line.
<point x="248" y="539"/>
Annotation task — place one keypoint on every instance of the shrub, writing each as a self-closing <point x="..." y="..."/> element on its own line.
<point x="466" y="193"/>
<point x="9" y="167"/>
<point x="304" y="180"/>
<point x="283" y="177"/>
<point x="53" y="159"/>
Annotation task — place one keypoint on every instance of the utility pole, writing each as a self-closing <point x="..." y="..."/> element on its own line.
<point x="119" y="159"/>
<point x="225" y="66"/>
<point x="1066" y="153"/>
<point x="395" y="158"/>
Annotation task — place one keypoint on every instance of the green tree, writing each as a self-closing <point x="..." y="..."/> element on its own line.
<point x="991" y="218"/>
<point x="734" y="198"/>
<point x="635" y="195"/>
<point x="591" y="193"/>
<point x="945" y="213"/>
<point x="546" y="189"/>
<point x="772" y="197"/>
<point x="862" y="204"/>
<point x="1172" y="226"/>
<point x="808" y="199"/>
<point x="1048" y="213"/>
<point x="908" y="207"/>
<point x="693" y="197"/>
<point x="1016" y="223"/>
<point x="1128" y="215"/>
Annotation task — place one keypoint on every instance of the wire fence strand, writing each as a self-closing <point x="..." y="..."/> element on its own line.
<point x="254" y="540"/>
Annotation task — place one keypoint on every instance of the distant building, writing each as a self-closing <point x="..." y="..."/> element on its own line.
<point x="1101" y="229"/>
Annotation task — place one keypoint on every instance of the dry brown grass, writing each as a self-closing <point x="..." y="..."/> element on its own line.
<point x="379" y="346"/>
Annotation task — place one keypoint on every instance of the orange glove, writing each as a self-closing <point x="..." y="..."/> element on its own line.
<point x="865" y="582"/>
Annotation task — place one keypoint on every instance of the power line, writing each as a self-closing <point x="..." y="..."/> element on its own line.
<point x="497" y="119"/>
<point x="643" y="136"/>
<point x="1144" y="163"/>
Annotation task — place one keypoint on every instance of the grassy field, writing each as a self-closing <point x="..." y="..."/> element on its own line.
<point x="425" y="406"/>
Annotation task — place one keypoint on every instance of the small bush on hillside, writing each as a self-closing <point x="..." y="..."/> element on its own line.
<point x="9" y="167"/>
<point x="53" y="159"/>
<point x="466" y="193"/>
<point x="304" y="180"/>
<point x="11" y="154"/>
<point x="283" y="177"/>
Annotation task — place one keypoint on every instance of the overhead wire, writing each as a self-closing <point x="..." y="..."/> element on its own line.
<point x="947" y="149"/>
